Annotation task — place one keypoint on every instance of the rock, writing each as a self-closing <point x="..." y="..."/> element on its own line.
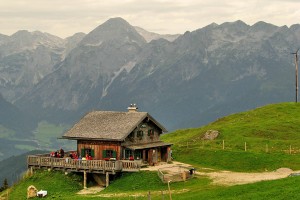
<point x="284" y="170"/>
<point x="210" y="135"/>
<point x="31" y="191"/>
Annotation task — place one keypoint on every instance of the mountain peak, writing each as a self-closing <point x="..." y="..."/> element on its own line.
<point x="261" y="25"/>
<point x="116" y="21"/>
<point x="113" y="29"/>
<point x="20" y="33"/>
<point x="240" y="25"/>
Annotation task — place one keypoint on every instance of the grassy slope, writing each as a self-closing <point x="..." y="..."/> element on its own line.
<point x="276" y="125"/>
<point x="58" y="185"/>
<point x="137" y="186"/>
<point x="268" y="131"/>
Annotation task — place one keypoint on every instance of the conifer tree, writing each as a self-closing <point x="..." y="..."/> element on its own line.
<point x="5" y="184"/>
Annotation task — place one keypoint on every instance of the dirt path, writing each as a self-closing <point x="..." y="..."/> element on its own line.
<point x="231" y="178"/>
<point x="218" y="177"/>
<point x="238" y="178"/>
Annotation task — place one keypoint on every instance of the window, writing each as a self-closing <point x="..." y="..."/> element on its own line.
<point x="89" y="152"/>
<point x="140" y="134"/>
<point x="128" y="153"/>
<point x="109" y="153"/>
<point x="137" y="154"/>
<point x="150" y="132"/>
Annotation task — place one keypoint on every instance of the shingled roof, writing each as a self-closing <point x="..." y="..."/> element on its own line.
<point x="108" y="125"/>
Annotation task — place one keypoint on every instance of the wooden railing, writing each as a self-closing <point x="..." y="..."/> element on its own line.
<point x="42" y="161"/>
<point x="131" y="165"/>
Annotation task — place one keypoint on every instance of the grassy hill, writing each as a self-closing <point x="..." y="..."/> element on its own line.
<point x="138" y="185"/>
<point x="272" y="137"/>
<point x="271" y="134"/>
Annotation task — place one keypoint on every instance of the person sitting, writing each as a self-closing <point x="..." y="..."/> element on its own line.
<point x="75" y="156"/>
<point x="131" y="158"/>
<point x="62" y="152"/>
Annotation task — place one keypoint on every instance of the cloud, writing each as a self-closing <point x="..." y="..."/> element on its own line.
<point x="64" y="18"/>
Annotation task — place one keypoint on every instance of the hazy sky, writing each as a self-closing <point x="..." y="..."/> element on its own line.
<point x="66" y="17"/>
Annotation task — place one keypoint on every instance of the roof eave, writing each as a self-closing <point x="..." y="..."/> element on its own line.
<point x="94" y="139"/>
<point x="157" y="123"/>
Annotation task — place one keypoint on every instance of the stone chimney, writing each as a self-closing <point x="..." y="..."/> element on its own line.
<point x="132" y="108"/>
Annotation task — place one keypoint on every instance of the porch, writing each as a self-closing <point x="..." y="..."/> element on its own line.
<point x="75" y="165"/>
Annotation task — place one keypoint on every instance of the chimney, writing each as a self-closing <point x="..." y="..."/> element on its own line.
<point x="132" y="108"/>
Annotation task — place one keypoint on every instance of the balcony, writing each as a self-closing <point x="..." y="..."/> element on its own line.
<point x="92" y="166"/>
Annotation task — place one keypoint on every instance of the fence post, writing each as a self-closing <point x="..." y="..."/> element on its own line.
<point x="245" y="146"/>
<point x="223" y="144"/>
<point x="169" y="190"/>
<point x="149" y="196"/>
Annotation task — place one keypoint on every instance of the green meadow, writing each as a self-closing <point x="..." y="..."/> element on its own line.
<point x="259" y="140"/>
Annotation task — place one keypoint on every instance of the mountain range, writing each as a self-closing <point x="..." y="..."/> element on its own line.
<point x="182" y="80"/>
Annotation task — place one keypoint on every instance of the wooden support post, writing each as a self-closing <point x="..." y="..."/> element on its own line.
<point x="84" y="179"/>
<point x="169" y="190"/>
<point x="149" y="195"/>
<point x="39" y="161"/>
<point x="51" y="162"/>
<point x="107" y="179"/>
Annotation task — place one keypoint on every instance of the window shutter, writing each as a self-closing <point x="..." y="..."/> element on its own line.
<point x="82" y="153"/>
<point x="104" y="154"/>
<point x="92" y="152"/>
<point x="114" y="154"/>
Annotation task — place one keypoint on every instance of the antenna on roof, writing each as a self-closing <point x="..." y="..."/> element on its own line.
<point x="296" y="66"/>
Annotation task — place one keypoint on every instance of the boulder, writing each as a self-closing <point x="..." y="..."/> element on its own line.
<point x="210" y="135"/>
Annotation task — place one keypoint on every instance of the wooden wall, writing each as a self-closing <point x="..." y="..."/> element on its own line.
<point x="98" y="147"/>
<point x="145" y="127"/>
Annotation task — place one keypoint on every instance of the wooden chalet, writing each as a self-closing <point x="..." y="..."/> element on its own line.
<point x="113" y="141"/>
<point x="109" y="135"/>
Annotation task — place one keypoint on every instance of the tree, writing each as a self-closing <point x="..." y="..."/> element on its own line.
<point x="5" y="184"/>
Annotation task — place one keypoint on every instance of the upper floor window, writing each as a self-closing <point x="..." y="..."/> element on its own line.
<point x="151" y="132"/>
<point x="140" y="134"/>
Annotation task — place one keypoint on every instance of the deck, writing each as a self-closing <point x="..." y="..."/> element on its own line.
<point x="92" y="166"/>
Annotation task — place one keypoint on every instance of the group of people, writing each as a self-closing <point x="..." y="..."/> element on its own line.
<point x="58" y="154"/>
<point x="72" y="155"/>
